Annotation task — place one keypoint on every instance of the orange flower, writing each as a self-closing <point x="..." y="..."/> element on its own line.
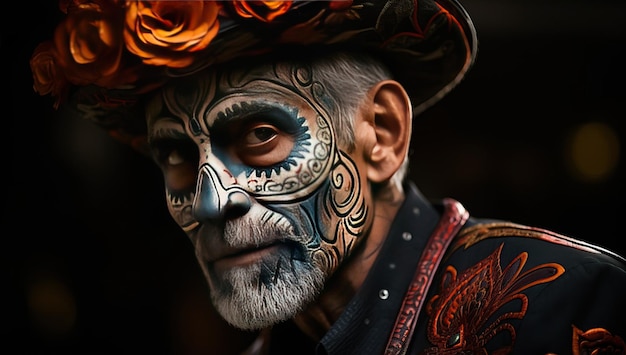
<point x="66" y="5"/>
<point x="338" y="5"/>
<point x="47" y="77"/>
<point x="89" y="43"/>
<point x="169" y="32"/>
<point x="265" y="11"/>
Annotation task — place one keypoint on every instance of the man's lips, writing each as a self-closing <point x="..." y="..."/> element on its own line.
<point x="245" y="257"/>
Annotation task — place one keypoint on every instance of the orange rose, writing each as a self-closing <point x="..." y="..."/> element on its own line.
<point x="338" y="5"/>
<point x="47" y="76"/>
<point x="90" y="45"/>
<point x="265" y="11"/>
<point x="169" y="32"/>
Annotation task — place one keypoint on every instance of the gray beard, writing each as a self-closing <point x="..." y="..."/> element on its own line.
<point x="257" y="296"/>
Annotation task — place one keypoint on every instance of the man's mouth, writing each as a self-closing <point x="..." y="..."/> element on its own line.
<point x="246" y="257"/>
<point x="289" y="250"/>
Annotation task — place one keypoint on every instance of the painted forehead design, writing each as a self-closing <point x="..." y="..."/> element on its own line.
<point x="283" y="81"/>
<point x="282" y="95"/>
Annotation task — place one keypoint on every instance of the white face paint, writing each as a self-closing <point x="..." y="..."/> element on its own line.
<point x="254" y="177"/>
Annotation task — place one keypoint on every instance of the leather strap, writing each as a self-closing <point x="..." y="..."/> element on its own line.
<point x="453" y="218"/>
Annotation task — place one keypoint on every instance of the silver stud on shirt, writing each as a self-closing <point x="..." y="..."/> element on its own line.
<point x="366" y="321"/>
<point x="392" y="266"/>
<point x="416" y="211"/>
<point x="383" y="294"/>
<point x="407" y="236"/>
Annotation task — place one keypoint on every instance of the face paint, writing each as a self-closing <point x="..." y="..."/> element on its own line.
<point x="254" y="176"/>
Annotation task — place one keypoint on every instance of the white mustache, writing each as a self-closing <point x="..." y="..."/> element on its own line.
<point x="259" y="227"/>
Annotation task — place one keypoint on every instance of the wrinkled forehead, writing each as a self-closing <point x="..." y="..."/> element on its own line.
<point x="271" y="81"/>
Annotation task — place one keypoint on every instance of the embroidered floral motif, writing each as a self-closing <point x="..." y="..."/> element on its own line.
<point x="596" y="341"/>
<point x="460" y="314"/>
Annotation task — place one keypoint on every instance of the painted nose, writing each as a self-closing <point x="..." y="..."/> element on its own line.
<point x="215" y="201"/>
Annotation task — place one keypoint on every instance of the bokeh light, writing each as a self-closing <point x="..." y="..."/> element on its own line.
<point x="51" y="305"/>
<point x="593" y="151"/>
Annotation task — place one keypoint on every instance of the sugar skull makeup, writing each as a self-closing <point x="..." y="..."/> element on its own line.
<point x="254" y="175"/>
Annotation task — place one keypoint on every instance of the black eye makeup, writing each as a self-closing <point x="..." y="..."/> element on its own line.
<point x="265" y="138"/>
<point x="165" y="141"/>
<point x="271" y="148"/>
<point x="235" y="120"/>
<point x="177" y="156"/>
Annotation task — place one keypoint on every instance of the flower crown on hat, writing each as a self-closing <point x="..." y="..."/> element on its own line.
<point x="106" y="54"/>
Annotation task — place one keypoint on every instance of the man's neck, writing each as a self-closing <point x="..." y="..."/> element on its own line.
<point x="317" y="319"/>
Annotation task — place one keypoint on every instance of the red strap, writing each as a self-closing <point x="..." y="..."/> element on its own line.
<point x="453" y="218"/>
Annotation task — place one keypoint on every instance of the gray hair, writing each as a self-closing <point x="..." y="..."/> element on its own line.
<point x="358" y="72"/>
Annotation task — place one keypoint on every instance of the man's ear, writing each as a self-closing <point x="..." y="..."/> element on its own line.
<point x="393" y="117"/>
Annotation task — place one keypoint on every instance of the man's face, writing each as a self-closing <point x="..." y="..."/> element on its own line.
<point x="255" y="177"/>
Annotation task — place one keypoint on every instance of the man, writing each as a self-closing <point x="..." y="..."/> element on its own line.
<point x="282" y="130"/>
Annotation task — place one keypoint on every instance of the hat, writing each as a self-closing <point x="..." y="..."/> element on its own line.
<point x="106" y="55"/>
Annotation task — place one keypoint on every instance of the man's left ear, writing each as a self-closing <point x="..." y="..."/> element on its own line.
<point x="392" y="123"/>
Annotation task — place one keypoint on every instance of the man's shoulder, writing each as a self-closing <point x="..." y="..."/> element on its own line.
<point x="529" y="238"/>
<point x="510" y="287"/>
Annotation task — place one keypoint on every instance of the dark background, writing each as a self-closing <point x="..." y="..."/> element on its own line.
<point x="96" y="266"/>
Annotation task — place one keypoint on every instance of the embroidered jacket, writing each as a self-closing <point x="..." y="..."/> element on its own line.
<point x="478" y="287"/>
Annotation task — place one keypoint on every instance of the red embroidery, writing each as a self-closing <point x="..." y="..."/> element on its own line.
<point x="596" y="341"/>
<point x="451" y="221"/>
<point x="459" y="313"/>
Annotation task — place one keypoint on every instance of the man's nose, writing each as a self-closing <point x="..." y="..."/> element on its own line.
<point x="214" y="200"/>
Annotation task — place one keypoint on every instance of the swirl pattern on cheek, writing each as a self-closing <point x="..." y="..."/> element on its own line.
<point x="345" y="198"/>
<point x="344" y="208"/>
<point x="321" y="153"/>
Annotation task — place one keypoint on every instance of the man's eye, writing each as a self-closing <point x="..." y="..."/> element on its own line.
<point x="262" y="145"/>
<point x="175" y="158"/>
<point x="174" y="152"/>
<point x="178" y="160"/>
<point x="260" y="135"/>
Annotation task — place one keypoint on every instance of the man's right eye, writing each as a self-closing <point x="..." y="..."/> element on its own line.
<point x="259" y="135"/>
<point x="174" y="152"/>
<point x="175" y="158"/>
<point x="179" y="162"/>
